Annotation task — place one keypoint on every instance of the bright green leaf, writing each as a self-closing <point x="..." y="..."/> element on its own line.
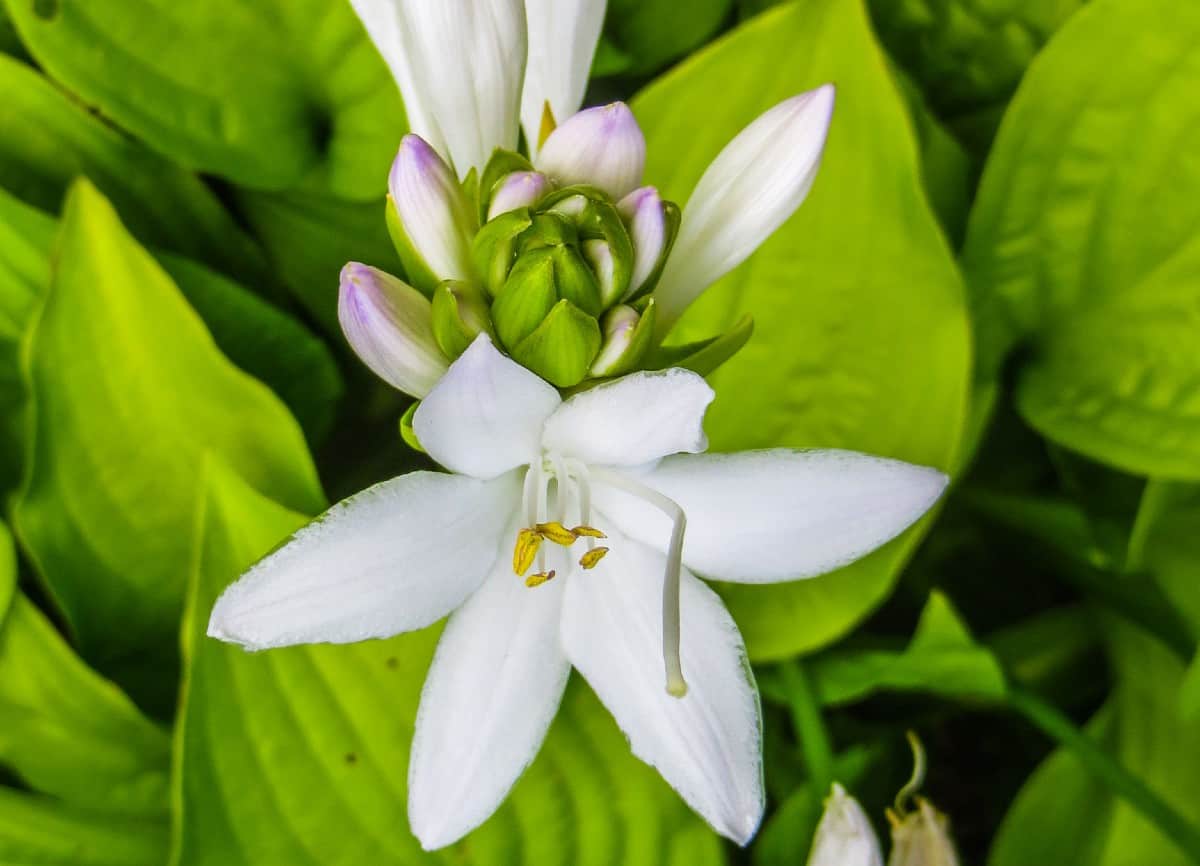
<point x="1166" y="545"/>
<point x="70" y="733"/>
<point x="8" y="572"/>
<point x="942" y="659"/>
<point x="39" y="831"/>
<point x="861" y="336"/>
<point x="1083" y="240"/>
<point x="49" y="140"/>
<point x="269" y="94"/>
<point x="129" y="393"/>
<point x="299" y="755"/>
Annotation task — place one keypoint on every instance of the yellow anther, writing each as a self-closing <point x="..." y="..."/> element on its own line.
<point x="547" y="125"/>
<point x="539" y="578"/>
<point x="588" y="532"/>
<point x="592" y="557"/>
<point x="528" y="543"/>
<point x="556" y="532"/>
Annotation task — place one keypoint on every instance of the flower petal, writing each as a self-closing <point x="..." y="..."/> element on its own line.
<point x="388" y="324"/>
<point x="467" y="63"/>
<point x="643" y="212"/>
<point x="776" y="515"/>
<point x="632" y="420"/>
<point x="562" y="42"/>
<point x="486" y="414"/>
<point x="492" y="691"/>
<point x="602" y="146"/>
<point x="394" y="558"/>
<point x="707" y="744"/>
<point x="845" y="836"/>
<point x="519" y="189"/>
<point x="748" y="191"/>
<point x="433" y="209"/>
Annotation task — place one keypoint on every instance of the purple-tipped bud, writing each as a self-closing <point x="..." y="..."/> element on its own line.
<point x="519" y="189"/>
<point x="388" y="324"/>
<point x="600" y="146"/>
<point x="645" y="215"/>
<point x="433" y="210"/>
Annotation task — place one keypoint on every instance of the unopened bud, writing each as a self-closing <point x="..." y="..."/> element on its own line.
<point x="625" y="341"/>
<point x="921" y="838"/>
<point x="460" y="314"/>
<point x="844" y="837"/>
<point x="602" y="146"/>
<point x="653" y="224"/>
<point x="517" y="190"/>
<point x="562" y="347"/>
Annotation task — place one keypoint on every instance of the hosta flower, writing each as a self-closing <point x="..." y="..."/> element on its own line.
<point x="844" y="836"/>
<point x="560" y="253"/>
<point x="569" y="533"/>
<point x="921" y="837"/>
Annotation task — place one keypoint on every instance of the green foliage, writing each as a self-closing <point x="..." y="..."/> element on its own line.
<point x="645" y="34"/>
<point x="861" y="332"/>
<point x="117" y="357"/>
<point x="40" y="830"/>
<point x="321" y="110"/>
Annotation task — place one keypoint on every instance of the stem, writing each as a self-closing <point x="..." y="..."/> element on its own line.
<point x="809" y="725"/>
<point x="1096" y="761"/>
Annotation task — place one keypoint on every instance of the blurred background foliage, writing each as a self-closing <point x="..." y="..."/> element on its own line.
<point x="998" y="273"/>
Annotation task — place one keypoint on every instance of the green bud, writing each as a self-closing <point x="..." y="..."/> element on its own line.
<point x="502" y="162"/>
<point x="495" y="247"/>
<point x="626" y="340"/>
<point x="460" y="314"/>
<point x="527" y="297"/>
<point x="562" y="347"/>
<point x="549" y="229"/>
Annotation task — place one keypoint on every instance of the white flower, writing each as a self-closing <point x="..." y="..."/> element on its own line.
<point x="559" y="541"/>
<point x="845" y="836"/>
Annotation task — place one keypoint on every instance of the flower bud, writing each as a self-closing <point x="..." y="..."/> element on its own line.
<point x="430" y="218"/>
<point x="602" y="146"/>
<point x="517" y="190"/>
<point x="921" y="838"/>
<point x="541" y="278"/>
<point x="844" y="837"/>
<point x="388" y="324"/>
<point x="626" y="339"/>
<point x="652" y="224"/>
<point x="460" y="314"/>
<point x="562" y="347"/>
<point x="494" y="250"/>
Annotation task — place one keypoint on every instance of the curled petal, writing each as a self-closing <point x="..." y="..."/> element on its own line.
<point x="388" y="324"/>
<point x="601" y="146"/>
<point x="562" y="41"/>
<point x="433" y="209"/>
<point x="748" y="191"/>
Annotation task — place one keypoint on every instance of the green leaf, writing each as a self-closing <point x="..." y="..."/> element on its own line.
<point x="1062" y="816"/>
<point x="270" y="94"/>
<point x="8" y="572"/>
<point x="298" y="755"/>
<point x="942" y="659"/>
<point x="646" y="34"/>
<point x="861" y="337"/>
<point x="69" y="733"/>
<point x="49" y="140"/>
<point x="1165" y="544"/>
<point x="1083" y="241"/>
<point x="40" y="831"/>
<point x="705" y="356"/>
<point x="309" y="238"/>
<point x="129" y="393"/>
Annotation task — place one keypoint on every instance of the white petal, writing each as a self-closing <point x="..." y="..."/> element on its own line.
<point x="767" y="516"/>
<point x="562" y="42"/>
<point x="845" y="836"/>
<point x="389" y="325"/>
<point x="492" y="691"/>
<point x="394" y="558"/>
<point x="748" y="191"/>
<point x="467" y="62"/>
<point x="601" y="146"/>
<point x="433" y="209"/>
<point x="632" y="420"/>
<point x="381" y="18"/>
<point x="486" y="414"/>
<point x="707" y="744"/>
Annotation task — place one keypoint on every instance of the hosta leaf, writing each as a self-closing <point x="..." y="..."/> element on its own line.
<point x="8" y="572"/>
<point x="1083" y="243"/>
<point x="269" y="94"/>
<point x="861" y="335"/>
<point x="645" y="34"/>
<point x="40" y="831"/>
<point x="49" y="140"/>
<point x="129" y="392"/>
<point x="298" y="755"/>
<point x="67" y="732"/>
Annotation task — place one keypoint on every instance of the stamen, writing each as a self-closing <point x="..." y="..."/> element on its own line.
<point x="588" y="532"/>
<point x="539" y="578"/>
<point x="528" y="543"/>
<point x="562" y="480"/>
<point x="556" y="532"/>
<point x="579" y="470"/>
<point x="676" y="685"/>
<point x="593" y="557"/>
<point x="533" y="477"/>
